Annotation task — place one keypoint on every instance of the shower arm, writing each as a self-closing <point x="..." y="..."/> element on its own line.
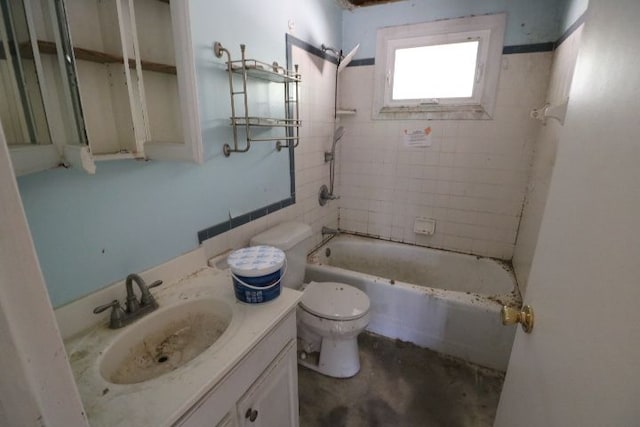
<point x="337" y="53"/>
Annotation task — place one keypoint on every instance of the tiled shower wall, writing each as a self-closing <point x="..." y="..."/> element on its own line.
<point x="316" y="112"/>
<point x="472" y="180"/>
<point x="544" y="157"/>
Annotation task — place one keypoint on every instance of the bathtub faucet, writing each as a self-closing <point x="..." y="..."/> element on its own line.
<point x="330" y="231"/>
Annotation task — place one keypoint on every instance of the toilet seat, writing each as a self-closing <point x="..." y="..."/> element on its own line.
<point x="334" y="301"/>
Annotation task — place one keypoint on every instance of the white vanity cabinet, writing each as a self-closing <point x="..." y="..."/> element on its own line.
<point x="261" y="390"/>
<point x="272" y="400"/>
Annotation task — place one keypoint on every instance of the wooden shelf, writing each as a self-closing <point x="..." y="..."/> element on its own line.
<point x="96" y="56"/>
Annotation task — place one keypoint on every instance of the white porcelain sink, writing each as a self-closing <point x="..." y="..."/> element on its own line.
<point x="165" y="340"/>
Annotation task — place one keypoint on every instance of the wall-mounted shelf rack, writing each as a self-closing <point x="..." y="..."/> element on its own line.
<point x="251" y="68"/>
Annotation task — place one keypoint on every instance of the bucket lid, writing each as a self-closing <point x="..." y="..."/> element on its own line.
<point x="284" y="236"/>
<point x="256" y="261"/>
<point x="334" y="301"/>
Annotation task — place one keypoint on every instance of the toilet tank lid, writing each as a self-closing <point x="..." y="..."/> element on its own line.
<point x="283" y="236"/>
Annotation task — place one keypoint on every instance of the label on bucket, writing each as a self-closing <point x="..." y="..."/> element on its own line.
<point x="256" y="261"/>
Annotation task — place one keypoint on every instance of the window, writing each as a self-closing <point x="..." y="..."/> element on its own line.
<point x="440" y="70"/>
<point x="434" y="72"/>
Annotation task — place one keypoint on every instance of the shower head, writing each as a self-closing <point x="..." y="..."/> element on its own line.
<point x="347" y="59"/>
<point x="337" y="135"/>
<point x="343" y="60"/>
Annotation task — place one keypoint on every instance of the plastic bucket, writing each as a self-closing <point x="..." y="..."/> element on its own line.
<point x="257" y="272"/>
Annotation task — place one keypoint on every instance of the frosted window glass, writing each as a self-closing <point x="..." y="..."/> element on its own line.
<point x="438" y="71"/>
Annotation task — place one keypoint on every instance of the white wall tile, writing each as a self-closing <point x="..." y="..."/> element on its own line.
<point x="543" y="159"/>
<point x="472" y="179"/>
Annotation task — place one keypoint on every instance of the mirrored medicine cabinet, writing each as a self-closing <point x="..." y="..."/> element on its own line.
<point x="96" y="80"/>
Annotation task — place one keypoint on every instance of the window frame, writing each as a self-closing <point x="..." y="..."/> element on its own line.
<point x="487" y="29"/>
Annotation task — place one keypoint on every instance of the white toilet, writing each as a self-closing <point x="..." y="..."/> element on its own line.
<point x="330" y="315"/>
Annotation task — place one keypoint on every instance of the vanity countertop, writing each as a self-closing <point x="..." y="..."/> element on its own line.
<point x="162" y="400"/>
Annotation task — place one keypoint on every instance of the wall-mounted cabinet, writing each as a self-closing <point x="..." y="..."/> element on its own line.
<point x="137" y="88"/>
<point x="36" y="110"/>
<point x="108" y="90"/>
<point x="132" y="78"/>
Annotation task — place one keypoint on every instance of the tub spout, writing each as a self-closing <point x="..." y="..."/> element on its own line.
<point x="330" y="231"/>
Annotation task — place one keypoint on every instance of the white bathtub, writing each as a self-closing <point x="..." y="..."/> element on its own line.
<point x="445" y="301"/>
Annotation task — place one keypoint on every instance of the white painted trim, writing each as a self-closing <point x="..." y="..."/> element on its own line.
<point x="42" y="81"/>
<point x="80" y="156"/>
<point x="482" y="37"/>
<point x="49" y="9"/>
<point x="37" y="386"/>
<point x="392" y="37"/>
<point x="191" y="149"/>
<point x="116" y="156"/>
<point x="12" y="81"/>
<point x="29" y="158"/>
<point x="168" y="151"/>
<point x="78" y="316"/>
<point x="124" y="18"/>
<point x="142" y="115"/>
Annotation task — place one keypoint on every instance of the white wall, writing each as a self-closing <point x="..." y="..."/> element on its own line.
<point x="544" y="159"/>
<point x="316" y="113"/>
<point x="472" y="180"/>
<point x="581" y="364"/>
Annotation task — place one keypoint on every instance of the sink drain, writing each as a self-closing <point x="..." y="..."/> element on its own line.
<point x="162" y="359"/>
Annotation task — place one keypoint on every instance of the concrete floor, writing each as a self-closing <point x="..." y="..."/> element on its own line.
<point x="402" y="385"/>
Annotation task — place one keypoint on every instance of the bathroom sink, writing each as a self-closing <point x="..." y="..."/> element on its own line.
<point x="165" y="340"/>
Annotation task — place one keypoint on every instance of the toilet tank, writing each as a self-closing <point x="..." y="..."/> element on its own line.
<point x="294" y="238"/>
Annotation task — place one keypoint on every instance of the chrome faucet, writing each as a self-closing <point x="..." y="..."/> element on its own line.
<point x="134" y="309"/>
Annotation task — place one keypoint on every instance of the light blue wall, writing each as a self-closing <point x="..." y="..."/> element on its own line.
<point x="573" y="10"/>
<point x="528" y="22"/>
<point x="90" y="231"/>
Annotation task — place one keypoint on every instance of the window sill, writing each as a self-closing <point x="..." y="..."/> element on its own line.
<point x="433" y="112"/>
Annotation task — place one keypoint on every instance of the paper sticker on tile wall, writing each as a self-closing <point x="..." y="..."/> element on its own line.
<point x="417" y="137"/>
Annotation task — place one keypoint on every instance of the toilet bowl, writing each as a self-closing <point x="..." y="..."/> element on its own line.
<point x="330" y="315"/>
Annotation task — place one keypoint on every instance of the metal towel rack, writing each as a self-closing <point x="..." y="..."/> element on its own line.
<point x="270" y="72"/>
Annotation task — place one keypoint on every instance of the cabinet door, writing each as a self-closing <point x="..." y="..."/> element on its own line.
<point x="228" y="421"/>
<point x="272" y="401"/>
